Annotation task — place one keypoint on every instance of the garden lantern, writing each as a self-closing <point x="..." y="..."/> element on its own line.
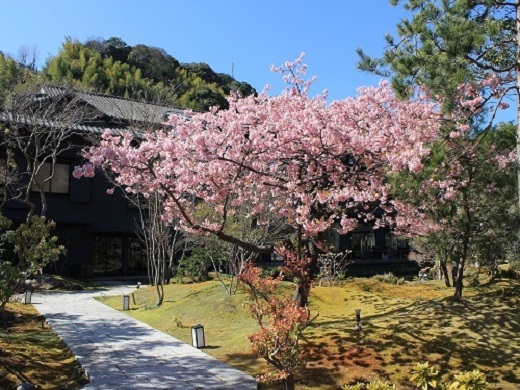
<point x="197" y="336"/>
<point x="26" y="386"/>
<point x="28" y="296"/>
<point x="126" y="302"/>
<point x="358" y="327"/>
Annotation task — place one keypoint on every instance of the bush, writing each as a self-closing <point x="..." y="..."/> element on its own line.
<point x="24" y="251"/>
<point x="9" y="279"/>
<point x="514" y="264"/>
<point x="195" y="267"/>
<point x="371" y="386"/>
<point x="389" y="278"/>
<point x="273" y="272"/>
<point x="469" y="380"/>
<point x="513" y="255"/>
<point x="425" y="377"/>
<point x="473" y="279"/>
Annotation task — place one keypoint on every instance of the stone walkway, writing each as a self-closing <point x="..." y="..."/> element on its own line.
<point x="119" y="352"/>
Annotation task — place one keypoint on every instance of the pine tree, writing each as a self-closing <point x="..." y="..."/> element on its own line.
<point x="445" y="43"/>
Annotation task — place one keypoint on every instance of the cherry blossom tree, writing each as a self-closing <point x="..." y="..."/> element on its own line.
<point x="317" y="165"/>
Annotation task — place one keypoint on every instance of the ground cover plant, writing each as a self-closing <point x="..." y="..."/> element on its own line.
<point x="31" y="352"/>
<point x="402" y="325"/>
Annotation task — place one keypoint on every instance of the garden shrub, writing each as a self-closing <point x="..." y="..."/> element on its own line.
<point x="25" y="250"/>
<point x="469" y="380"/>
<point x="513" y="255"/>
<point x="378" y="385"/>
<point x="273" y="272"/>
<point x="9" y="280"/>
<point x="195" y="267"/>
<point x="389" y="278"/>
<point x="425" y="377"/>
<point x="514" y="263"/>
<point x="509" y="273"/>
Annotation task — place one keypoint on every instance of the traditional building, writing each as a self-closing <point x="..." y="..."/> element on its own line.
<point x="97" y="230"/>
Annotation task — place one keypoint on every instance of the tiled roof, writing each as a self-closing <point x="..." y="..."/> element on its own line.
<point x="120" y="108"/>
<point x="134" y="116"/>
<point x="78" y="128"/>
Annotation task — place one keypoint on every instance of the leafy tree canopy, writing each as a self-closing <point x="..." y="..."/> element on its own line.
<point x="111" y="66"/>
<point x="446" y="43"/>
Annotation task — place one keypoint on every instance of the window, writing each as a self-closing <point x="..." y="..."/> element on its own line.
<point x="59" y="183"/>
<point x="107" y="256"/>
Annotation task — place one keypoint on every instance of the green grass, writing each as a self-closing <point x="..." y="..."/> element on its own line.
<point x="403" y="325"/>
<point x="226" y="319"/>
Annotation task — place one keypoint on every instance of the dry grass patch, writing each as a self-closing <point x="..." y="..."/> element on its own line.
<point x="30" y="352"/>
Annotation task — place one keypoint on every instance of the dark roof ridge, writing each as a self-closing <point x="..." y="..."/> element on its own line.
<point x="99" y="94"/>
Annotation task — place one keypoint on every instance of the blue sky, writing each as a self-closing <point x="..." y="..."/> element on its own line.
<point x="252" y="35"/>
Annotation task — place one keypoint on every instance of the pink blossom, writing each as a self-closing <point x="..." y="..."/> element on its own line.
<point x="306" y="160"/>
<point x="449" y="193"/>
<point x="78" y="172"/>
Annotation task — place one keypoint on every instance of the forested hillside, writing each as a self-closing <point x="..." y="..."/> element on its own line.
<point x="112" y="67"/>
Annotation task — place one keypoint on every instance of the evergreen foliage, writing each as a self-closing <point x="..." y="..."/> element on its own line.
<point x="142" y="72"/>
<point x="446" y="43"/>
<point x="441" y="46"/>
<point x="24" y="250"/>
<point x="449" y="42"/>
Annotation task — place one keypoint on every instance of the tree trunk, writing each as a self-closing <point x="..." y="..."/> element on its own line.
<point x="460" y="269"/>
<point x="289" y="383"/>
<point x="518" y="99"/>
<point x="149" y="266"/>
<point x="300" y="295"/>
<point x="43" y="198"/>
<point x="301" y="292"/>
<point x="160" y="294"/>
<point x="458" y="282"/>
<point x="444" y="272"/>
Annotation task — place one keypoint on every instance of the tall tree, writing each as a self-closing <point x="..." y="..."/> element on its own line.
<point x="314" y="164"/>
<point x="154" y="63"/>
<point x="159" y="241"/>
<point x="38" y="130"/>
<point x="445" y="43"/>
<point x="467" y="188"/>
<point x="11" y="75"/>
